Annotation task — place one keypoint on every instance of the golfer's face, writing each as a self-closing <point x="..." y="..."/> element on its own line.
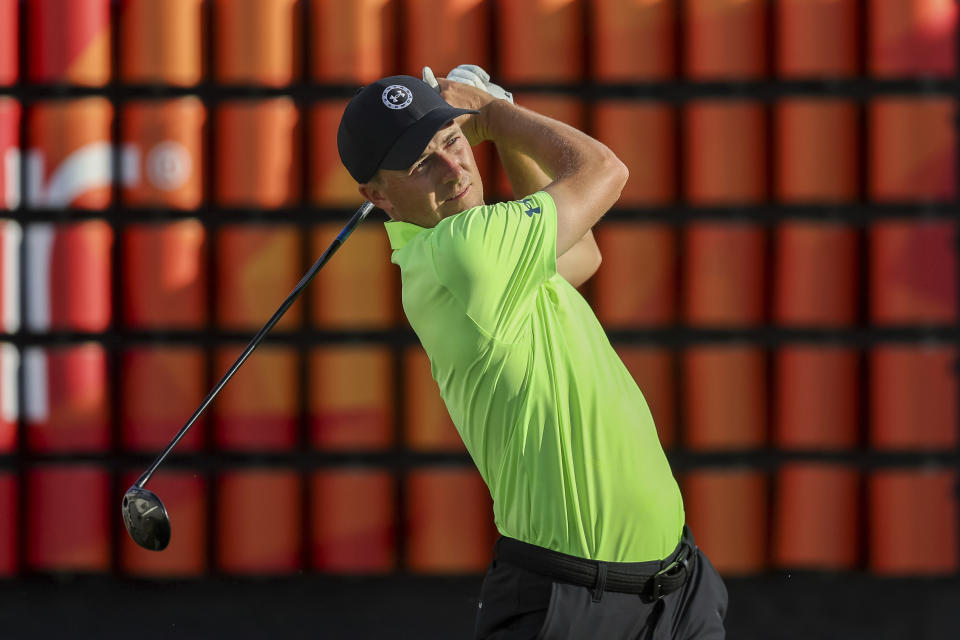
<point x="443" y="182"/>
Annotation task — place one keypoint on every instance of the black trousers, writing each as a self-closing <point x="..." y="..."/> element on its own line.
<point x="518" y="604"/>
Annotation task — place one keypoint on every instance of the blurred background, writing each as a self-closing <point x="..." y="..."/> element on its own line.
<point x="780" y="276"/>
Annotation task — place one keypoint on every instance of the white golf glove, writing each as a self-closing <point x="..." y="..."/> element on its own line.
<point x="472" y="75"/>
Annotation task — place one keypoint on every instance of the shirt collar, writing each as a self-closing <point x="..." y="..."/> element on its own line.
<point x="401" y="233"/>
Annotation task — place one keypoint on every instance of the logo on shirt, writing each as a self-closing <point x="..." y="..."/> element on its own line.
<point x="397" y="96"/>
<point x="531" y="206"/>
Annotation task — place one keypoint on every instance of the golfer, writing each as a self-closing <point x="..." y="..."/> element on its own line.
<point x="593" y="539"/>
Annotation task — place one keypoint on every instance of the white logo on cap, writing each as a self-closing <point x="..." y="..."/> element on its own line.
<point x="397" y="96"/>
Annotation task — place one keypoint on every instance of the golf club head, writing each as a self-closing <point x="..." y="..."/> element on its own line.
<point x="146" y="519"/>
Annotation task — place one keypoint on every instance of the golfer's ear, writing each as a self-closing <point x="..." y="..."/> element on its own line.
<point x="370" y="192"/>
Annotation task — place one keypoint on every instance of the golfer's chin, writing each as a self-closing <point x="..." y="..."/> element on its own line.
<point x="472" y="198"/>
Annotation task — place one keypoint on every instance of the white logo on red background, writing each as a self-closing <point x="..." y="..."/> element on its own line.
<point x="85" y="169"/>
<point x="11" y="172"/>
<point x="169" y="165"/>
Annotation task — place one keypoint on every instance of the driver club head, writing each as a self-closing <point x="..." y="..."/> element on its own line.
<point x="146" y="519"/>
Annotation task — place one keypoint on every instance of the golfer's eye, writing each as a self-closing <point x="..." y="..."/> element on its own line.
<point x="452" y="141"/>
<point x="420" y="166"/>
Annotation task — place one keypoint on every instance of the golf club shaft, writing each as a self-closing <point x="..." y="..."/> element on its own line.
<point x="356" y="219"/>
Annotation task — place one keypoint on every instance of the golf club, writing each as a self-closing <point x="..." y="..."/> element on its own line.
<point x="144" y="515"/>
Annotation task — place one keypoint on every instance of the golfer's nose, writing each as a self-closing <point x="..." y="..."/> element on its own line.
<point x="450" y="167"/>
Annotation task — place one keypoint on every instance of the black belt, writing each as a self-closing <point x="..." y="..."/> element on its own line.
<point x="653" y="579"/>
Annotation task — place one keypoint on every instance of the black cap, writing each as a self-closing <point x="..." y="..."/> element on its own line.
<point x="389" y="123"/>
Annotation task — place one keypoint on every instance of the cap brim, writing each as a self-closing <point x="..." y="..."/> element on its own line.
<point x="415" y="139"/>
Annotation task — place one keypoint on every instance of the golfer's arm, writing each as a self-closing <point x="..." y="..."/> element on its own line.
<point x="525" y="175"/>
<point x="587" y="176"/>
<point x="581" y="260"/>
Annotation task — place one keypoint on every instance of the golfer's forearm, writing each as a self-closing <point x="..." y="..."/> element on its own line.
<point x="524" y="173"/>
<point x="560" y="149"/>
<point x="586" y="176"/>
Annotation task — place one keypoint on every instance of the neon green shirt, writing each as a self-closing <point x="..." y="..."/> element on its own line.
<point x="550" y="415"/>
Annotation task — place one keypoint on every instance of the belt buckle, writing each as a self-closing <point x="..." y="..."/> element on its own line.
<point x="681" y="562"/>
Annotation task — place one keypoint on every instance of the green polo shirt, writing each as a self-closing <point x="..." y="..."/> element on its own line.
<point x="550" y="415"/>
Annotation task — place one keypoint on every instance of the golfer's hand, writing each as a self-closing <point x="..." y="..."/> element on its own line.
<point x="468" y="87"/>
<point x="475" y="76"/>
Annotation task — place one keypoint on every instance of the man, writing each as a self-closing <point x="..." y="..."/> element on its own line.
<point x="593" y="540"/>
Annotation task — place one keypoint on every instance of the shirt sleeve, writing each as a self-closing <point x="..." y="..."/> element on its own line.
<point x="495" y="258"/>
